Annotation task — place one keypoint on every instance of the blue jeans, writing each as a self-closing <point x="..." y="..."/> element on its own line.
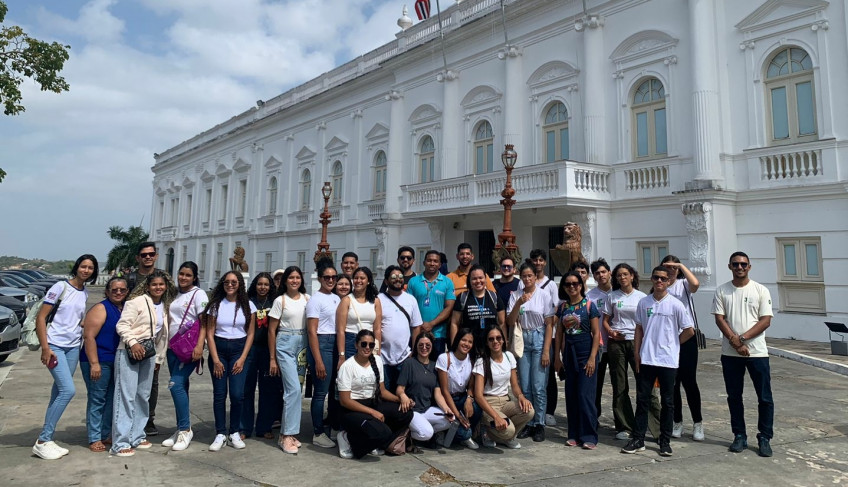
<point x="229" y="351"/>
<point x="733" y="369"/>
<point x="321" y="387"/>
<point x="291" y="347"/>
<point x="178" y="385"/>
<point x="270" y="393"/>
<point x="463" y="433"/>
<point x="63" y="389"/>
<point x="98" y="407"/>
<point x="132" y="393"/>
<point x="532" y="377"/>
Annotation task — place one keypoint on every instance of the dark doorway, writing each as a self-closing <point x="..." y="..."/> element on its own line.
<point x="554" y="239"/>
<point x="485" y="244"/>
<point x="169" y="263"/>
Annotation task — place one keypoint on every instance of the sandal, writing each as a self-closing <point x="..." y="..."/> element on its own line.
<point x="268" y="436"/>
<point x="97" y="447"/>
<point x="126" y="452"/>
<point x="107" y="442"/>
<point x="571" y="443"/>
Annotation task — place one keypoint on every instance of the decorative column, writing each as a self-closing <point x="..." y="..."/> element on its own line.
<point x="699" y="226"/>
<point x="395" y="156"/>
<point x="514" y="94"/>
<point x="705" y="100"/>
<point x="594" y="123"/>
<point x="448" y="161"/>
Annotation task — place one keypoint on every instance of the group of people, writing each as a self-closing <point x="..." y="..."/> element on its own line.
<point x="425" y="361"/>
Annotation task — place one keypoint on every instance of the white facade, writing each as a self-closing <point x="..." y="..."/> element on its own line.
<point x="662" y="126"/>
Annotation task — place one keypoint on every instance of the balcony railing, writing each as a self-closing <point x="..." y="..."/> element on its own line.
<point x="376" y="208"/>
<point x="792" y="165"/>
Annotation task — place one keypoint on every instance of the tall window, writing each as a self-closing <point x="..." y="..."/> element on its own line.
<point x="427" y="156"/>
<point x="242" y="205"/>
<point x="380" y="162"/>
<point x="555" y="129"/>
<point x="301" y="260"/>
<point x="184" y="253"/>
<point x="337" y="173"/>
<point x="225" y="190"/>
<point x="649" y="120"/>
<point x="219" y="259"/>
<point x="649" y="256"/>
<point x="484" y="146"/>
<point x="272" y="196"/>
<point x="208" y="203"/>
<point x="161" y="213"/>
<point x="269" y="260"/>
<point x="791" y="101"/>
<point x="175" y="211"/>
<point x="202" y="267"/>
<point x="305" y="189"/>
<point x="800" y="277"/>
<point x="188" y="210"/>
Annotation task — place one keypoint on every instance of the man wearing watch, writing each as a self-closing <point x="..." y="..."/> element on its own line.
<point x="742" y="310"/>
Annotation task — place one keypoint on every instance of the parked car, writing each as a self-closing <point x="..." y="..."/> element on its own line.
<point x="10" y="332"/>
<point x="12" y="281"/>
<point x="30" y="280"/>
<point x="18" y="307"/>
<point x="21" y="295"/>
<point x="39" y="275"/>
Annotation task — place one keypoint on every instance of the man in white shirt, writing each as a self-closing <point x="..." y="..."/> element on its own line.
<point x="662" y="323"/>
<point x="400" y="317"/>
<point x="742" y="310"/>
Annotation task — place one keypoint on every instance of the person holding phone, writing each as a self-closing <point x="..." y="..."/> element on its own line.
<point x="454" y="371"/>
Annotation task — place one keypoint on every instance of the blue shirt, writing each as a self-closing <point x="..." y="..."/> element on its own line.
<point x="584" y="314"/>
<point x="431" y="297"/>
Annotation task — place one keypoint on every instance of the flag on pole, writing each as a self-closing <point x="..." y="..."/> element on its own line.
<point x="422" y="9"/>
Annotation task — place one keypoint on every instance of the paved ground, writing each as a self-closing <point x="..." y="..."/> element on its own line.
<point x="810" y="444"/>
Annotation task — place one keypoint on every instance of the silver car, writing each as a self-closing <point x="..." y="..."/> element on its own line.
<point x="10" y="333"/>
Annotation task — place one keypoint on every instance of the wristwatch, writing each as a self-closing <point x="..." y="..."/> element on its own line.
<point x="341" y="354"/>
<point x="742" y="338"/>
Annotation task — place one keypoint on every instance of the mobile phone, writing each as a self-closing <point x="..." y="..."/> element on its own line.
<point x="53" y="362"/>
<point x="450" y="415"/>
<point x="492" y="422"/>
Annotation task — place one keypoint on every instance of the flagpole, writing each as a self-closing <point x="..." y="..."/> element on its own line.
<point x="442" y="35"/>
<point x="503" y="21"/>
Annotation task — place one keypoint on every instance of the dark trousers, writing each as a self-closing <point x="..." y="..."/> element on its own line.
<point x="154" y="395"/>
<point x="390" y="376"/>
<point x="733" y="369"/>
<point x="644" y="385"/>
<point x="580" y="390"/>
<point x="601" y="372"/>
<point x="366" y="433"/>
<point x="551" y="389"/>
<point x="620" y="357"/>
<point x="686" y="376"/>
<point x="270" y="393"/>
<point x="464" y="433"/>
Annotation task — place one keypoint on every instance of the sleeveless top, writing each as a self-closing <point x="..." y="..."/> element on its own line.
<point x="367" y="315"/>
<point x="107" y="339"/>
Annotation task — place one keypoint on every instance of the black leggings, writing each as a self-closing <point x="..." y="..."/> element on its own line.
<point x="686" y="373"/>
<point x="366" y="433"/>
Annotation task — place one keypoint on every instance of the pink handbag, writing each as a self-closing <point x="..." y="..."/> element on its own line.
<point x="183" y="343"/>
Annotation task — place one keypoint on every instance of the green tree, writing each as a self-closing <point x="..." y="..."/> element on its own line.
<point x="22" y="56"/>
<point x="123" y="253"/>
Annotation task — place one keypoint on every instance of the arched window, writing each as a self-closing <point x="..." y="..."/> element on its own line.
<point x="305" y="189"/>
<point x="555" y="129"/>
<point x="380" y="161"/>
<point x="649" y="122"/>
<point x="272" y="196"/>
<point x="337" y="174"/>
<point x="427" y="157"/>
<point x="791" y="101"/>
<point x="484" y="145"/>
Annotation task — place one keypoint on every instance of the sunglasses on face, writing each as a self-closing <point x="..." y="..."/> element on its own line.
<point x="495" y="339"/>
<point x="364" y="344"/>
<point x="405" y="257"/>
<point x="120" y="290"/>
<point x="329" y="278"/>
<point x="396" y="276"/>
<point x="147" y="255"/>
<point x="572" y="284"/>
<point x="659" y="278"/>
<point x="506" y="267"/>
<point x="231" y="283"/>
<point x="743" y="265"/>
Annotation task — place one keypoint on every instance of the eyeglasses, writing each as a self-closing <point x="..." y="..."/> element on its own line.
<point x="364" y="344"/>
<point x="120" y="290"/>
<point x="147" y="255"/>
<point x="494" y="339"/>
<point x="405" y="257"/>
<point x="571" y="284"/>
<point x="231" y="283"/>
<point x="396" y="276"/>
<point x="506" y="267"/>
<point x="659" y="278"/>
<point x="329" y="278"/>
<point x="743" y="265"/>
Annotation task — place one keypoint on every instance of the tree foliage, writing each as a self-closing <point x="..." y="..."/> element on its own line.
<point x="123" y="253"/>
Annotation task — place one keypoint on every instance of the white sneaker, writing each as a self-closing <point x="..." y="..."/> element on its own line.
<point x="622" y="435"/>
<point x="470" y="443"/>
<point x="344" y="446"/>
<point x="677" y="430"/>
<point x="183" y="440"/>
<point x="236" y="441"/>
<point x="487" y="442"/>
<point x="169" y="442"/>
<point x="219" y="442"/>
<point x="378" y="452"/>
<point x="63" y="451"/>
<point x="323" y="441"/>
<point x="550" y="420"/>
<point x="512" y="444"/>
<point x="698" y="434"/>
<point x="47" y="450"/>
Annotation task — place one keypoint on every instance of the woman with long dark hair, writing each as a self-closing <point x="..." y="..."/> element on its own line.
<point x="60" y="346"/>
<point x="477" y="309"/>
<point x="287" y="351"/>
<point x="418" y="390"/>
<point x="230" y="323"/>
<point x="453" y="369"/>
<point x="321" y="353"/>
<point x="359" y="310"/>
<point x="262" y="292"/>
<point x="143" y="328"/>
<point x="97" y="361"/>
<point x="370" y="414"/>
<point x="343" y="287"/>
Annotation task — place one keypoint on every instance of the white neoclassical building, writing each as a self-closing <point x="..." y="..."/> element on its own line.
<point x="689" y="127"/>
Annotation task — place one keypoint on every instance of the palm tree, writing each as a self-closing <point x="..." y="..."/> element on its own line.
<point x="123" y="253"/>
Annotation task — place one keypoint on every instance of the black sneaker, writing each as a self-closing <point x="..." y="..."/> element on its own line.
<point x="665" y="449"/>
<point x="525" y="432"/>
<point x="633" y="446"/>
<point x="539" y="434"/>
<point x="740" y="443"/>
<point x="765" y="446"/>
<point x="150" y="429"/>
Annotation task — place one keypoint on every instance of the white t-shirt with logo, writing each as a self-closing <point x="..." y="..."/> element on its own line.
<point x="178" y="309"/>
<point x="395" y="327"/>
<point x="742" y="308"/>
<point x="230" y="322"/>
<point x="501" y="375"/>
<point x="359" y="380"/>
<point x="535" y="310"/>
<point x="662" y="321"/>
<point x="621" y="308"/>
<point x="323" y="306"/>
<point x="459" y="372"/>
<point x="600" y="297"/>
<point x="290" y="312"/>
<point x="65" y="330"/>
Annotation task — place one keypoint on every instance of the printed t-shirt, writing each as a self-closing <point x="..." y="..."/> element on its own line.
<point x="501" y="375"/>
<point x="621" y="308"/>
<point x="478" y="314"/>
<point x="229" y="320"/>
<point x="662" y="321"/>
<point x="460" y="281"/>
<point x="65" y="330"/>
<point x="260" y="334"/>
<point x="742" y="308"/>
<point x="359" y="380"/>
<point x="585" y="310"/>
<point x="323" y="306"/>
<point x="178" y="309"/>
<point x="532" y="314"/>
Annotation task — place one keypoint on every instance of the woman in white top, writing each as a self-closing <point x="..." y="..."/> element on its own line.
<point x="494" y="374"/>
<point x="682" y="284"/>
<point x="230" y="319"/>
<point x="287" y="346"/>
<point x="144" y="319"/>
<point x="359" y="310"/>
<point x="184" y="314"/>
<point x="60" y="346"/>
<point x="620" y="325"/>
<point x="453" y="369"/>
<point x="533" y="310"/>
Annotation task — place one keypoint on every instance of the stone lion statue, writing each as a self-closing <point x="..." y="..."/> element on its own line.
<point x="237" y="262"/>
<point x="572" y="241"/>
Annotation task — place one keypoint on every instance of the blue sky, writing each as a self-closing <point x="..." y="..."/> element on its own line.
<point x="145" y="75"/>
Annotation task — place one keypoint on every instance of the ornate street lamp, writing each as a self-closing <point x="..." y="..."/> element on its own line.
<point x="506" y="239"/>
<point x="323" y="245"/>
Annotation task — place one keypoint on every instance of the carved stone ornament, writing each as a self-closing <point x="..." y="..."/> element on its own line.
<point x="699" y="227"/>
<point x="571" y="248"/>
<point x="237" y="262"/>
<point x="382" y="234"/>
<point x="435" y="236"/>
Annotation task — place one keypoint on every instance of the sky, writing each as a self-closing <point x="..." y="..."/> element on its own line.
<point x="146" y="75"/>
